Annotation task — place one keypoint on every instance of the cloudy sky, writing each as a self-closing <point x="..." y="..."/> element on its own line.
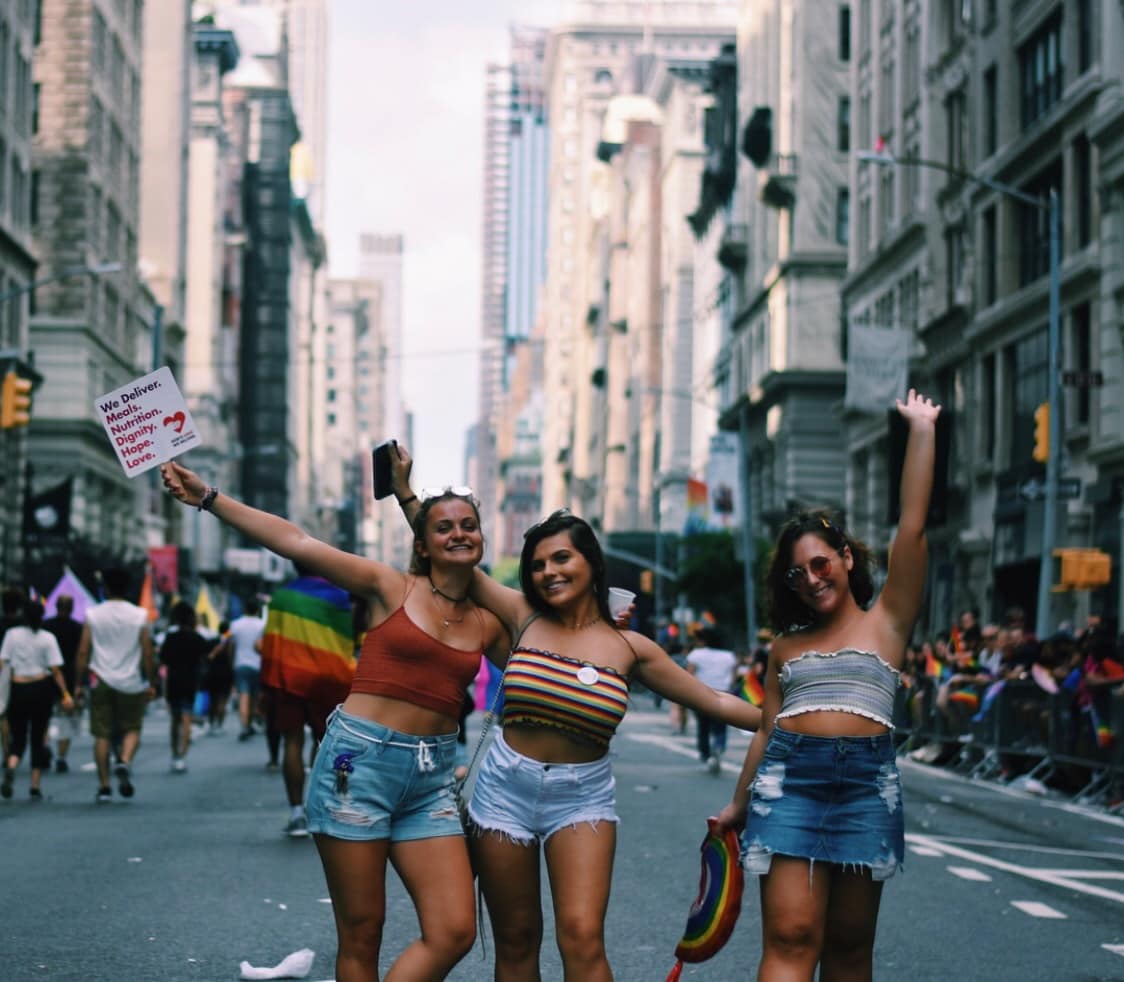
<point x="405" y="151"/>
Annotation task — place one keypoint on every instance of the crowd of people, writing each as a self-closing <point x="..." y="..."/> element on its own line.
<point x="377" y="661"/>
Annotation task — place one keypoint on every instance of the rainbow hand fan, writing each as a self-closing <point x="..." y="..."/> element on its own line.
<point x="715" y="910"/>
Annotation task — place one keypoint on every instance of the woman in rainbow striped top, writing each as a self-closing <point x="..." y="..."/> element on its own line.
<point x="546" y="780"/>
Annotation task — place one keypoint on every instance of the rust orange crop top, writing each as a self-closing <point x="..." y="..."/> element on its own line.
<point x="400" y="661"/>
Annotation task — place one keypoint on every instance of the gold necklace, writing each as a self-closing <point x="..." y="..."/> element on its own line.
<point x="446" y="620"/>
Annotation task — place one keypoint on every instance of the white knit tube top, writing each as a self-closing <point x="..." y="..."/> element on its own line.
<point x="844" y="681"/>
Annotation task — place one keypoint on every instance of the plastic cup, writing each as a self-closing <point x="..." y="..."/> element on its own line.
<point x="619" y="600"/>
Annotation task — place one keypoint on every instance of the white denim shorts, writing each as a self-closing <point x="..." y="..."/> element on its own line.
<point x="529" y="801"/>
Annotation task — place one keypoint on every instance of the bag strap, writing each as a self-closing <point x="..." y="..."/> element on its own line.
<point x="490" y="716"/>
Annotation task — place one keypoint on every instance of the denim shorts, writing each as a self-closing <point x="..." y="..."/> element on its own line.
<point x="833" y="799"/>
<point x="529" y="801"/>
<point x="370" y="782"/>
<point x="247" y="680"/>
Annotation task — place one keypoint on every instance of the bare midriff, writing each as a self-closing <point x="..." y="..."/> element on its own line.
<point x="831" y="723"/>
<point x="550" y="745"/>
<point x="397" y="714"/>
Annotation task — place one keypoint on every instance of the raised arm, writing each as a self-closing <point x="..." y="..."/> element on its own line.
<point x="659" y="673"/>
<point x="509" y="605"/>
<point x="360" y="576"/>
<point x="905" y="577"/>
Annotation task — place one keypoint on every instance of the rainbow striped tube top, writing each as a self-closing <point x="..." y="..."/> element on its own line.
<point x="541" y="688"/>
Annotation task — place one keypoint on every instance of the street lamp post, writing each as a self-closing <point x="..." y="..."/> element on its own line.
<point x="1044" y="620"/>
<point x="97" y="269"/>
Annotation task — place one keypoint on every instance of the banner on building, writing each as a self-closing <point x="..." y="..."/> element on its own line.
<point x="722" y="480"/>
<point x="877" y="367"/>
<point x="164" y="561"/>
<point x="697" y="507"/>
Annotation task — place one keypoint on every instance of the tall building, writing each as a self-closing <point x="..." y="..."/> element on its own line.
<point x="587" y="60"/>
<point x="516" y="167"/>
<point x="18" y="28"/>
<point x="90" y="334"/>
<point x="214" y="268"/>
<point x="380" y="263"/>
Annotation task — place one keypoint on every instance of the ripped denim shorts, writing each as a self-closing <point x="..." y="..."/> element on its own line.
<point x="371" y="782"/>
<point x="529" y="801"/>
<point x="828" y="799"/>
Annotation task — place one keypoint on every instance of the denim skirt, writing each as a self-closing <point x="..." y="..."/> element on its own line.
<point x="832" y="799"/>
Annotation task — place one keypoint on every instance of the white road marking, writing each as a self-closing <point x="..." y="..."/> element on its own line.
<point x="1066" y="882"/>
<point x="925" y="851"/>
<point x="1116" y="949"/>
<point x="1085" y="874"/>
<point x="675" y="747"/>
<point x="969" y="873"/>
<point x="1035" y="909"/>
<point x="1031" y="847"/>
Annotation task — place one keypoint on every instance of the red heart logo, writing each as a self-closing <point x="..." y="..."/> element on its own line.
<point x="177" y="421"/>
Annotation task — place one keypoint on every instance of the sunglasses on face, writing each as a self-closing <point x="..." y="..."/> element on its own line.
<point x="460" y="490"/>
<point x="818" y="566"/>
<point x="558" y="513"/>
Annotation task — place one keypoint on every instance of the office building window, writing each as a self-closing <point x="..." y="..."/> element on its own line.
<point x="990" y="258"/>
<point x="842" y="216"/>
<point x="956" y="129"/>
<point x="1041" y="70"/>
<point x="1081" y="344"/>
<point x="991" y="111"/>
<point x="988" y="414"/>
<point x="844" y="125"/>
<point x="844" y="33"/>
<point x="1034" y="225"/>
<point x="1085" y="27"/>
<point x="1029" y="383"/>
<point x="1083" y="190"/>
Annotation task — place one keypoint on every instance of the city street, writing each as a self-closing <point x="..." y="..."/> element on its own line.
<point x="193" y="875"/>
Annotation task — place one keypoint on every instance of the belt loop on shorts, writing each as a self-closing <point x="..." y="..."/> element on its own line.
<point x="426" y="763"/>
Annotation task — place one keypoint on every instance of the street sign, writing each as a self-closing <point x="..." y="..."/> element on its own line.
<point x="1083" y="380"/>
<point x="1033" y="489"/>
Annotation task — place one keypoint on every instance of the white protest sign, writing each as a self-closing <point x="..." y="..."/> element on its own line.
<point x="147" y="421"/>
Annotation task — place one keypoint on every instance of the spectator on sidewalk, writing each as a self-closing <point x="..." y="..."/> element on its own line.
<point x="245" y="635"/>
<point x="714" y="667"/>
<point x="68" y="633"/>
<point x="307" y="667"/>
<point x="182" y="655"/>
<point x="116" y="647"/>
<point x="35" y="661"/>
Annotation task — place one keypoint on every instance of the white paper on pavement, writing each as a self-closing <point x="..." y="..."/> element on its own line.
<point x="294" y="966"/>
<point x="147" y="421"/>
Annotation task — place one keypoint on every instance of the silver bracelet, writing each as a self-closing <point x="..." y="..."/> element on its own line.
<point x="208" y="499"/>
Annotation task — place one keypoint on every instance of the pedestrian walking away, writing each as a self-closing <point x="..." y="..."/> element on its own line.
<point x="182" y="654"/>
<point x="245" y="640"/>
<point x="218" y="679"/>
<point x="546" y="782"/>
<point x="819" y="795"/>
<point x="68" y="633"/>
<point x="381" y="789"/>
<point x="33" y="656"/>
<point x="713" y="666"/>
<point x="116" y="647"/>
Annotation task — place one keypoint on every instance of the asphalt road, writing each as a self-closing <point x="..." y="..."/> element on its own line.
<point x="193" y="875"/>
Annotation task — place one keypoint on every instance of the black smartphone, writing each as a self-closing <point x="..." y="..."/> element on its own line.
<point x="380" y="466"/>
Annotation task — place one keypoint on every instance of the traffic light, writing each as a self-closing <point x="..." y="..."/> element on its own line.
<point x="1081" y="569"/>
<point x="1041" y="451"/>
<point x="15" y="401"/>
<point x="647" y="581"/>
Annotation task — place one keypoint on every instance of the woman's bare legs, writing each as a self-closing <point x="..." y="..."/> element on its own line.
<point x="793" y="908"/>
<point x="852" y="916"/>
<point x="510" y="879"/>
<point x="436" y="874"/>
<point x="579" y="861"/>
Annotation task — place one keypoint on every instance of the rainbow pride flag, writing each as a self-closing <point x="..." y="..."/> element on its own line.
<point x="749" y="687"/>
<point x="933" y="667"/>
<point x="308" y="641"/>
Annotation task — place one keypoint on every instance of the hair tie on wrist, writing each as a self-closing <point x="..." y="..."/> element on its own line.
<point x="405" y="501"/>
<point x="208" y="499"/>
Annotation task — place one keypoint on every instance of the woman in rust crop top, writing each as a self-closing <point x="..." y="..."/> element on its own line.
<point x="381" y="786"/>
<point x="546" y="782"/>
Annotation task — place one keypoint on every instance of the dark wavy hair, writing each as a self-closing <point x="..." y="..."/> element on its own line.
<point x="584" y="539"/>
<point x="785" y="610"/>
<point x="420" y="565"/>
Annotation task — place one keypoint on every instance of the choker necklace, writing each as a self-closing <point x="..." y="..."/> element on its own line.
<point x="589" y="623"/>
<point x="441" y="593"/>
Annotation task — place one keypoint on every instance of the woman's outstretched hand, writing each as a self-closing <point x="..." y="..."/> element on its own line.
<point x="182" y="484"/>
<point x="401" y="463"/>
<point x="918" y="409"/>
